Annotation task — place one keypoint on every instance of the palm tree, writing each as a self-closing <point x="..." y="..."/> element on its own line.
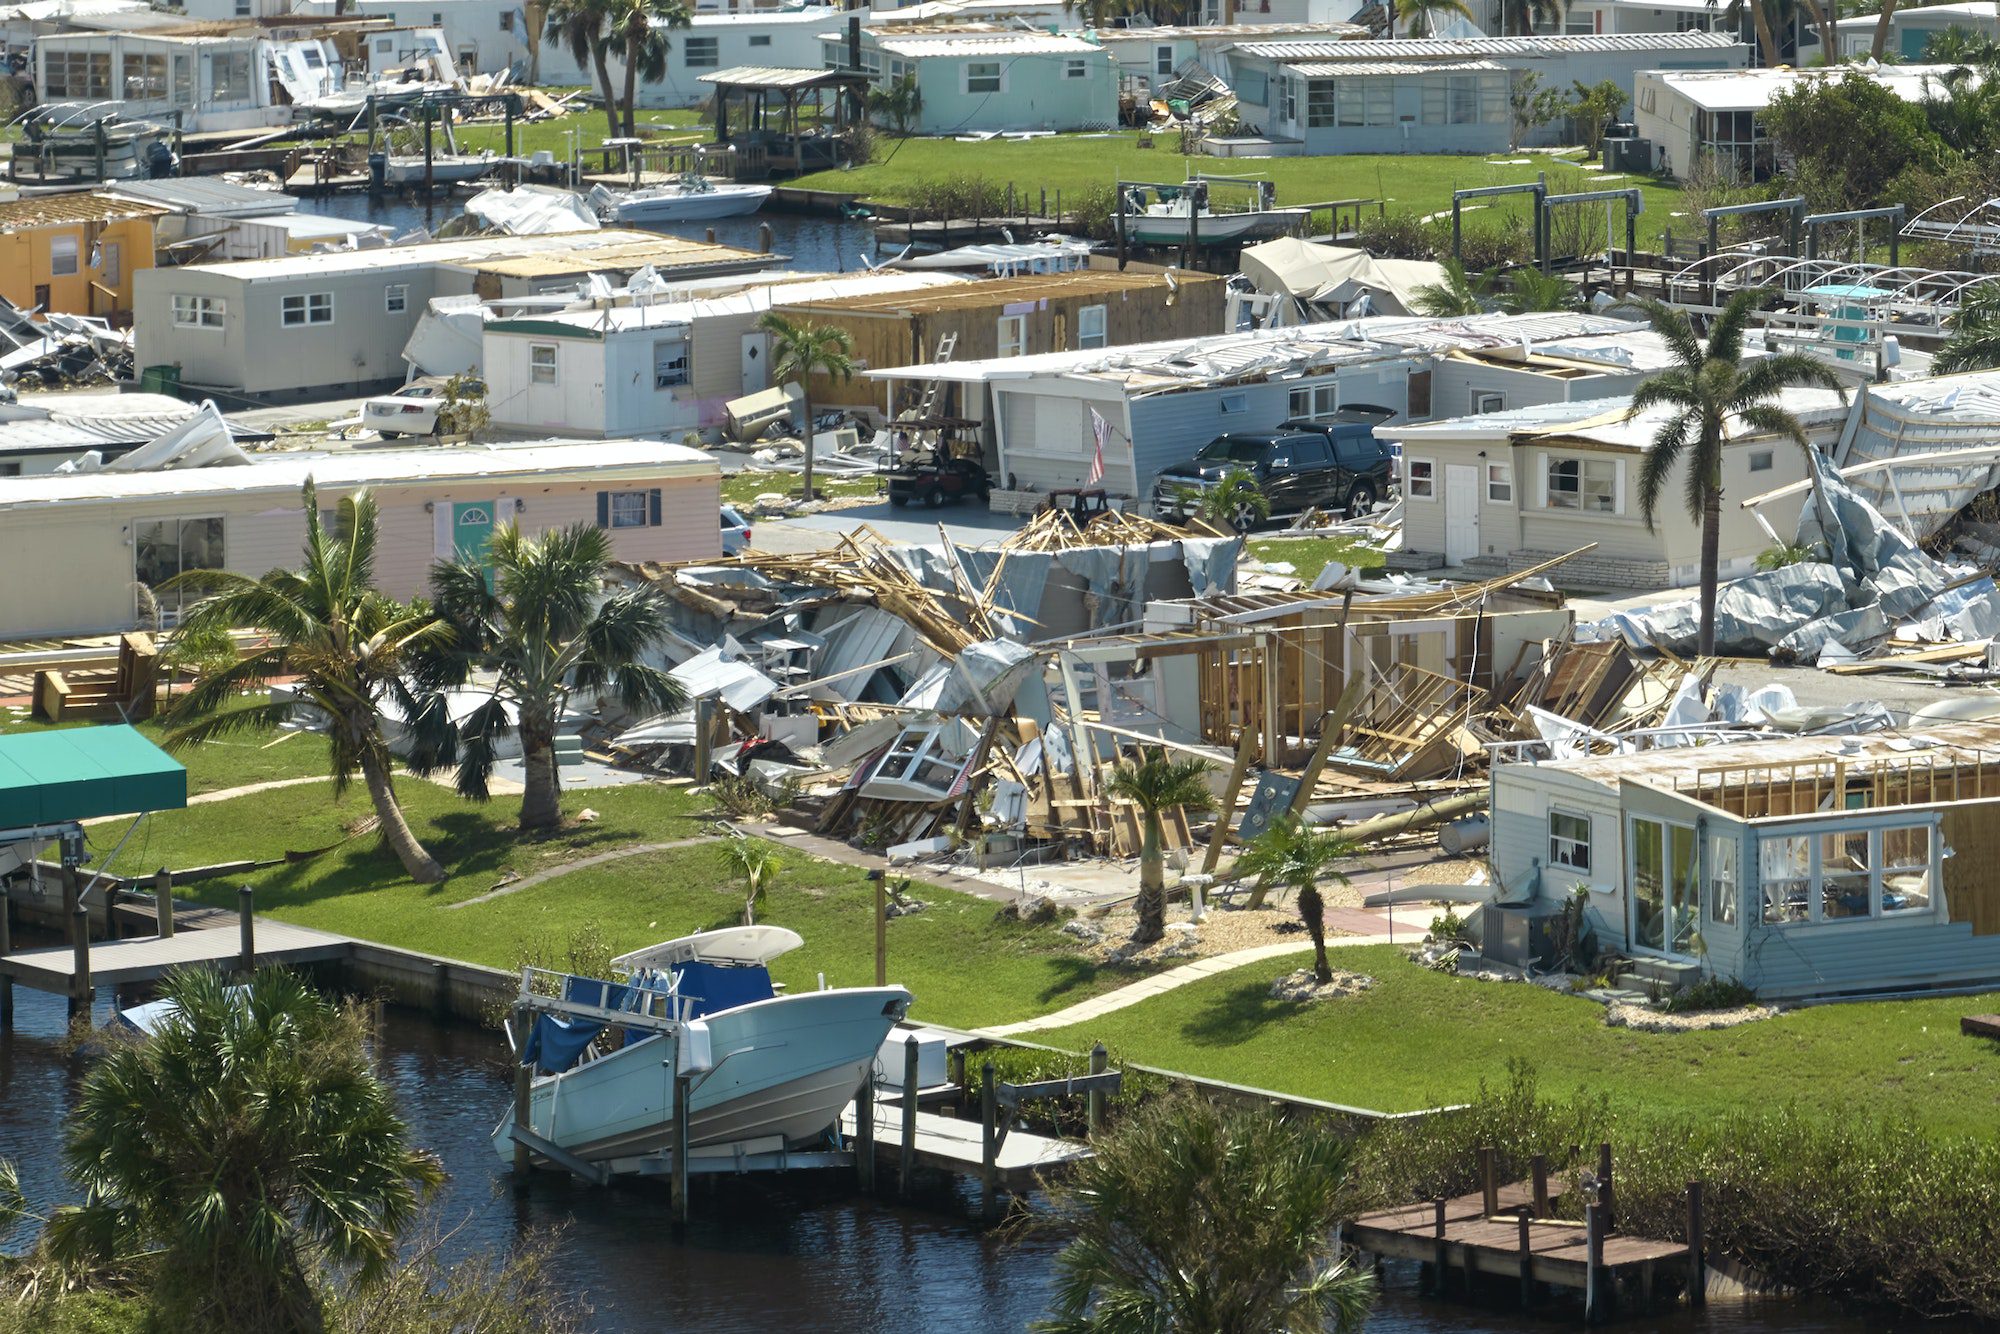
<point x="1526" y="17"/>
<point x="1459" y="294"/>
<point x="1760" y="17"/>
<point x="799" y="351"/>
<point x="1291" y="853"/>
<point x="343" y="643"/>
<point x="1197" y="1218"/>
<point x="901" y="100"/>
<point x="583" y="26"/>
<point x="1235" y="501"/>
<point x="1882" y="24"/>
<point x="540" y="627"/>
<point x="248" y="1140"/>
<point x="638" y="36"/>
<point x="1529" y="289"/>
<point x="1975" y="333"/>
<point x="758" y="864"/>
<point x="1706" y="390"/>
<point x="1423" y="15"/>
<point x="1156" y="784"/>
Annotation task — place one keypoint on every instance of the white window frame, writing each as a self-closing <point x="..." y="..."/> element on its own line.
<point x="198" y="312"/>
<point x="1563" y="848"/>
<point x="542" y="362"/>
<point x="1015" y="345"/>
<point x="1499" y="483"/>
<point x="1815" y="872"/>
<point x="701" y="52"/>
<point x="1232" y="404"/>
<point x="665" y="375"/>
<point x="1763" y="460"/>
<point x="1596" y="480"/>
<point x="1313" y="402"/>
<point x="305" y="309"/>
<point x="1415" y="487"/>
<point x="991" y="72"/>
<point x="1725" y="879"/>
<point x="1485" y="401"/>
<point x="1088" y="336"/>
<point x="1163" y="60"/>
<point x="65" y="256"/>
<point x="629" y="499"/>
<point x="1076" y="67"/>
<point x="395" y="298"/>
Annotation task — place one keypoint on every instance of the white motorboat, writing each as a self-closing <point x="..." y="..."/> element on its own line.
<point x="701" y="1012"/>
<point x="1166" y="223"/>
<point x="445" y="168"/>
<point x="692" y="198"/>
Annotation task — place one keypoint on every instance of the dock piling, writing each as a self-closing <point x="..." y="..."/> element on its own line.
<point x="1605" y="1194"/>
<point x="79" y="936"/>
<point x="906" y="1165"/>
<point x="246" y="922"/>
<point x="1526" y="1216"/>
<point x="163" y="903"/>
<point x="683" y="1090"/>
<point x="864" y="1135"/>
<point x="1539" y="1165"/>
<point x="72" y="897"/>
<point x="1489" y="1179"/>
<point x="989" y="1129"/>
<point x="958" y="1074"/>
<point x="1697" y="1270"/>
<point x="1437" y="1225"/>
<point x="1100" y="1061"/>
<point x="1596" y="1301"/>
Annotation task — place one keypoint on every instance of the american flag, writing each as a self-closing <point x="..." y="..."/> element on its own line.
<point x="1098" y="430"/>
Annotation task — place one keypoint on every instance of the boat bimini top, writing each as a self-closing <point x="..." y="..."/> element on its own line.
<point x="740" y="946"/>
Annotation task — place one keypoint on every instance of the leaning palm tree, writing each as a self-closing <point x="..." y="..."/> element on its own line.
<point x="343" y="644"/>
<point x="533" y="624"/>
<point x="637" y="35"/>
<point x="584" y="27"/>
<point x="754" y="860"/>
<point x="1529" y="289"/>
<point x="1291" y="852"/>
<point x="1423" y="15"/>
<point x="1459" y="294"/>
<point x="246" y="1142"/>
<point x="799" y="351"/>
<point x="1975" y="333"/>
<point x="1235" y="501"/>
<point x="1525" y="17"/>
<point x="1196" y="1217"/>
<point x="1157" y="784"/>
<point x="1706" y="390"/>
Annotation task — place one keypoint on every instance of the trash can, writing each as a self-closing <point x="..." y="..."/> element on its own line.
<point x="161" y="380"/>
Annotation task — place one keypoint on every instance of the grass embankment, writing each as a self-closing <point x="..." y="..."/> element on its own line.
<point x="1075" y="163"/>
<point x="1421" y="1038"/>
<point x="1309" y="555"/>
<point x="964" y="961"/>
<point x="584" y="128"/>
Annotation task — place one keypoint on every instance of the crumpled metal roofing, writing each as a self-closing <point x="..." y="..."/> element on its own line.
<point x="1379" y="69"/>
<point x="1925" y="417"/>
<point x="1448" y="48"/>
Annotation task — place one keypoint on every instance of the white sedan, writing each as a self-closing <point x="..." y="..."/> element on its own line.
<point x="413" y="409"/>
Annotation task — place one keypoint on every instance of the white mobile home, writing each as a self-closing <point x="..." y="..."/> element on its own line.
<point x="1150" y="56"/>
<point x="1912" y="28"/>
<point x="208" y="82"/>
<point x="1510" y="489"/>
<point x="1683" y="114"/>
<point x="117" y="536"/>
<point x="336" y="322"/>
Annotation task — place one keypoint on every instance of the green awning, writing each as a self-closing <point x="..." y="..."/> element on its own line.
<point x="80" y="773"/>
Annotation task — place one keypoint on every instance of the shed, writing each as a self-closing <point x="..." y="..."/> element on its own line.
<point x="75" y="253"/>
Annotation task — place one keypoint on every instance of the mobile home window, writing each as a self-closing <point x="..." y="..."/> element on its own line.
<point x="62" y="256"/>
<point x="628" y="509"/>
<point x="541" y="363"/>
<point x="760" y="39"/>
<point x="1163" y="61"/>
<point x="1076" y="68"/>
<point x="507" y="20"/>
<point x="1722" y="879"/>
<point x="199" y="312"/>
<point x="1500" y="483"/>
<point x="1906" y="870"/>
<point x="396" y="298"/>
<point x="1784" y="875"/>
<point x="1312" y="402"/>
<point x="982" y="76"/>
<point x="1253" y="86"/>
<point x="1760" y="460"/>
<point x="1590" y="485"/>
<point x="700" y="52"/>
<point x="242" y="9"/>
<point x="1090" y="327"/>
<point x="1013" y="335"/>
<point x="308" y="308"/>
<point x="670" y="363"/>
<point x="1421" y="483"/>
<point x="1845" y="880"/>
<point x="145" y="78"/>
<point x="1569" y="840"/>
<point x="229" y="76"/>
<point x="183" y="81"/>
<point x="1485" y="403"/>
<point x="1322" y="104"/>
<point x="163" y="548"/>
<point x="77" y="73"/>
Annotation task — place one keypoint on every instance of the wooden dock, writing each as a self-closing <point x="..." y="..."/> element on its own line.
<point x="958" y="1144"/>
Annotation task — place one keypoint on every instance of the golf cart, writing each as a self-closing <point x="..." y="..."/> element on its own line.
<point x="937" y="460"/>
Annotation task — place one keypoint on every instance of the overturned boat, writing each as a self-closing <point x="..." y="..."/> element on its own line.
<point x="701" y="1014"/>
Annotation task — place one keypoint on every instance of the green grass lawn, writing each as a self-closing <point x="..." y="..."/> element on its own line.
<point x="964" y="961"/>
<point x="584" y="127"/>
<point x="1073" y="163"/>
<point x="236" y="761"/>
<point x="1309" y="555"/>
<point x="1421" y="1038"/>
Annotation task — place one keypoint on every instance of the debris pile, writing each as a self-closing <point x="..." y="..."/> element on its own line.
<point x="59" y="351"/>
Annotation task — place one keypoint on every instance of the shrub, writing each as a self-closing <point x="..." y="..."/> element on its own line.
<point x="1093" y="213"/>
<point x="739" y="799"/>
<point x="1711" y="993"/>
<point x="1778" y="557"/>
<point x="1403" y="236"/>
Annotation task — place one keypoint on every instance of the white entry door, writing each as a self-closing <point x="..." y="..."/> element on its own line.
<point x="756" y="359"/>
<point x="1461" y="512"/>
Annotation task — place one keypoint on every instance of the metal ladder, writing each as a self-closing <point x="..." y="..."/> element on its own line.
<point x="935" y="388"/>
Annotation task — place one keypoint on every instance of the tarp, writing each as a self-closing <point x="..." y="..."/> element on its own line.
<point x="532" y="210"/>
<point x="1312" y="272"/>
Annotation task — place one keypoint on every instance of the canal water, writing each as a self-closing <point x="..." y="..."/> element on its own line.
<point x="763" y="1254"/>
<point x="812" y="244"/>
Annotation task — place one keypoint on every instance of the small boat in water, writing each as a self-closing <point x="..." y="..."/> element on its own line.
<point x="1165" y="220"/>
<point x="405" y="169"/>
<point x="699" y="1010"/>
<point x="692" y="198"/>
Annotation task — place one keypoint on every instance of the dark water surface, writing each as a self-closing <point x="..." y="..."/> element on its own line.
<point x="763" y="1254"/>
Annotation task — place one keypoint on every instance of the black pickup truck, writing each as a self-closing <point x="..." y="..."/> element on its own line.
<point x="1336" y="466"/>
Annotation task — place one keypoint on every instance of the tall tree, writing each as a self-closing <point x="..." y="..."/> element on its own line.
<point x="1292" y="853"/>
<point x="1196" y="1218"/>
<point x="249" y="1140"/>
<point x="800" y="350"/>
<point x="535" y="620"/>
<point x="1708" y="388"/>
<point x="1156" y="784"/>
<point x="637" y="35"/>
<point x="1423" y="15"/>
<point x="584" y="26"/>
<point x="1526" y="17"/>
<point x="1760" y="18"/>
<point x="1461" y="293"/>
<point x="343" y="644"/>
<point x="1883" y="22"/>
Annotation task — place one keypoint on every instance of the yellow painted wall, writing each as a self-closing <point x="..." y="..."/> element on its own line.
<point x="25" y="265"/>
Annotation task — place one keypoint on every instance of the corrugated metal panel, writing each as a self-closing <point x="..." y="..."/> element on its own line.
<point x="1378" y="69"/>
<point x="855" y="639"/>
<point x="1446" y="48"/>
<point x="918" y="46"/>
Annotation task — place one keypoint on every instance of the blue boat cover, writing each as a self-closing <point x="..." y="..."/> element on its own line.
<point x="712" y="988"/>
<point x="554" y="1045"/>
